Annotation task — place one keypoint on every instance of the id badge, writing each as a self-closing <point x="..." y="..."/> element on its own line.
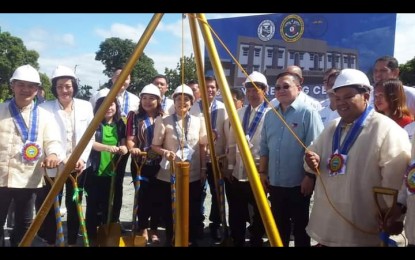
<point x="165" y="164"/>
<point x="187" y="153"/>
<point x="249" y="141"/>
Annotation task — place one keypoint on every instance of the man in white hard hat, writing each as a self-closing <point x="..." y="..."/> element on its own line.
<point x="73" y="116"/>
<point x="361" y="150"/>
<point x="239" y="191"/>
<point x="29" y="143"/>
<point x="280" y="168"/>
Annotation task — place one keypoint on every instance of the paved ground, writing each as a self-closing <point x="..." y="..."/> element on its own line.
<point x="126" y="217"/>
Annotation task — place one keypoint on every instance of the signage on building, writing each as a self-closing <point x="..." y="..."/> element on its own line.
<point x="313" y="41"/>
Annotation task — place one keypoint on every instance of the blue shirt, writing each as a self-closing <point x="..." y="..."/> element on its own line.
<point x="285" y="154"/>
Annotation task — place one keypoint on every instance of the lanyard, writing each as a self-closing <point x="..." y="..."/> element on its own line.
<point x="163" y="104"/>
<point x="28" y="134"/>
<point x="150" y="131"/>
<point x="176" y="126"/>
<point x="125" y="104"/>
<point x="213" y="110"/>
<point x="351" y="136"/>
<point x="250" y="131"/>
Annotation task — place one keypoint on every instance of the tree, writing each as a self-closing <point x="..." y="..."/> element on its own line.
<point x="407" y="73"/>
<point x="13" y="53"/>
<point x="179" y="76"/>
<point x="84" y="92"/>
<point x="46" y="84"/>
<point x="115" y="52"/>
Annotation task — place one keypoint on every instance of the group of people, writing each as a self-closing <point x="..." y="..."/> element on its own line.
<point x="337" y="150"/>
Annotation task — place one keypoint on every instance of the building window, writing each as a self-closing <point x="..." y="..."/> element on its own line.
<point x="257" y="52"/>
<point x="301" y="56"/>
<point x="280" y="53"/>
<point x="245" y="51"/>
<point x="337" y="58"/>
<point x="269" y="53"/>
<point x="345" y="59"/>
<point x="256" y="67"/>
<point x="320" y="57"/>
<point x="352" y="60"/>
<point x="329" y="58"/>
<point x="311" y="57"/>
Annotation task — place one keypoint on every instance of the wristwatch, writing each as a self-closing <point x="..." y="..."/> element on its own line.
<point x="312" y="176"/>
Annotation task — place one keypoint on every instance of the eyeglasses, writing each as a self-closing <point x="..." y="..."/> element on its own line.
<point x="278" y="88"/>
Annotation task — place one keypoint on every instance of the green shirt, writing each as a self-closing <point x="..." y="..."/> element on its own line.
<point x="109" y="137"/>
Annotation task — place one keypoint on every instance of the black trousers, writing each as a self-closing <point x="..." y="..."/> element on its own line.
<point x="194" y="208"/>
<point x="290" y="205"/>
<point x="23" y="214"/>
<point x="214" y="216"/>
<point x="119" y="182"/>
<point x="241" y="198"/>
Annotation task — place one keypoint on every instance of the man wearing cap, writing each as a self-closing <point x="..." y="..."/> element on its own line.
<point x="29" y="142"/>
<point x="73" y="116"/>
<point x="281" y="171"/>
<point x="218" y="116"/>
<point x="241" y="195"/>
<point x="361" y="150"/>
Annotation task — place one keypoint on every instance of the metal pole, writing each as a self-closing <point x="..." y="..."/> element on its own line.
<point x="182" y="204"/>
<point x="253" y="176"/>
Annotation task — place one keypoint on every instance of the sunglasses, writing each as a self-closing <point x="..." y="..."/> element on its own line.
<point x="278" y="88"/>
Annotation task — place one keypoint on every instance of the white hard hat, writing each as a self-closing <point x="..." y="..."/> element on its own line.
<point x="63" y="71"/>
<point x="185" y="89"/>
<point x="256" y="77"/>
<point x="348" y="77"/>
<point x="26" y="73"/>
<point x="151" y="89"/>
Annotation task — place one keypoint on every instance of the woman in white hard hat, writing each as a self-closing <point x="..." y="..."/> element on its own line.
<point x="73" y="116"/>
<point x="140" y="129"/>
<point x="181" y="137"/>
<point x="29" y="142"/>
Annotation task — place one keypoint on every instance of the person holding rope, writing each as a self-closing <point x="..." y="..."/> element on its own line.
<point x="29" y="142"/>
<point x="140" y="129"/>
<point x="73" y="116"/>
<point x="358" y="151"/>
<point x="181" y="137"/>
